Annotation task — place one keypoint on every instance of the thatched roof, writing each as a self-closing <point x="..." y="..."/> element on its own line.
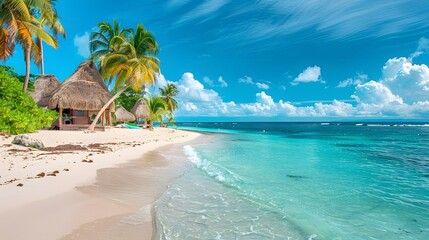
<point x="122" y="115"/>
<point x="44" y="86"/>
<point x="141" y="109"/>
<point x="83" y="90"/>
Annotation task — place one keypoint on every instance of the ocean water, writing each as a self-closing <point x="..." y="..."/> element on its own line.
<point x="301" y="181"/>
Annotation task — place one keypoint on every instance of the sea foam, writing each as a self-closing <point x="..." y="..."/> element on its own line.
<point x="221" y="174"/>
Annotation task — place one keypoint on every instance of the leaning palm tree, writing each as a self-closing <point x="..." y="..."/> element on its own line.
<point x="128" y="61"/>
<point x="167" y="93"/>
<point x="19" y="25"/>
<point x="158" y="108"/>
<point x="49" y="19"/>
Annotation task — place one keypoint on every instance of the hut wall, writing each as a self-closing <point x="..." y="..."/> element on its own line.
<point x="80" y="117"/>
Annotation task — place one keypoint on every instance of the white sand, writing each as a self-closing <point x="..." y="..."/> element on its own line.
<point x="51" y="207"/>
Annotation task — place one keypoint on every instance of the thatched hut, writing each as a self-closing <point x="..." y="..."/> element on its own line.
<point x="80" y="97"/>
<point x="141" y="110"/>
<point x="122" y="115"/>
<point x="44" y="86"/>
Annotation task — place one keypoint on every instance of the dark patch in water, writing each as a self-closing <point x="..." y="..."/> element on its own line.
<point x="296" y="176"/>
<point x="350" y="145"/>
<point x="241" y="140"/>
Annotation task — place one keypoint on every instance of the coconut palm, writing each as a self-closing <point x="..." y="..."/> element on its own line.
<point x="19" y="25"/>
<point x="158" y="108"/>
<point x="103" y="41"/>
<point x="127" y="61"/>
<point x="167" y="93"/>
<point x="49" y="19"/>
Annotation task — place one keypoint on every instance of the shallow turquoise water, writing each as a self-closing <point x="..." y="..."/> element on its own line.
<point x="301" y="181"/>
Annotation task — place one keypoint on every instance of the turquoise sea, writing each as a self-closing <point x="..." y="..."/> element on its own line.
<point x="301" y="181"/>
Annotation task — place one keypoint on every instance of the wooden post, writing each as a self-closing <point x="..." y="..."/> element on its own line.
<point x="110" y="117"/>
<point x="60" y="121"/>
<point x="103" y="119"/>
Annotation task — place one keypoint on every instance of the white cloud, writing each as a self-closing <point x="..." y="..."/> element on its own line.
<point x="374" y="92"/>
<point x="246" y="80"/>
<point x="403" y="91"/>
<point x="190" y="106"/>
<point x="222" y="82"/>
<point x="310" y="74"/>
<point x="82" y="44"/>
<point x="408" y="80"/>
<point x="262" y="86"/>
<point x="264" y="106"/>
<point x="196" y="100"/>
<point x="422" y="48"/>
<point x="263" y="98"/>
<point x="358" y="79"/>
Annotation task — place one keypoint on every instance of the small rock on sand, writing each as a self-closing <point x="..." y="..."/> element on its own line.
<point x="27" y="141"/>
<point x="40" y="175"/>
<point x="20" y="185"/>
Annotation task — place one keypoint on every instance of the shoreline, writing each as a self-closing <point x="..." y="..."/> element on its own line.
<point x="60" y="200"/>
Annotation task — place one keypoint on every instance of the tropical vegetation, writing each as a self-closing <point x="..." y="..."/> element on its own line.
<point x="22" y="22"/>
<point x="129" y="97"/>
<point x="158" y="108"/>
<point x="168" y="92"/>
<point x="18" y="111"/>
<point x="125" y="58"/>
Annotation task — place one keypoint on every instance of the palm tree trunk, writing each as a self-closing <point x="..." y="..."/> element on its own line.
<point x="92" y="126"/>
<point x="27" y="68"/>
<point x="42" y="60"/>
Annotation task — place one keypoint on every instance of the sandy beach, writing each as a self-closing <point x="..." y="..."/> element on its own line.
<point x="86" y="185"/>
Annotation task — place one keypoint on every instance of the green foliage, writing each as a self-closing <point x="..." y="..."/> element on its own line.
<point x="158" y="109"/>
<point x="18" y="111"/>
<point x="129" y="97"/>
<point x="168" y="93"/>
<point x="11" y="71"/>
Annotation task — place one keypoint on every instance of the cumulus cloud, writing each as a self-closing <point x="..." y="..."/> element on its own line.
<point x="358" y="79"/>
<point x="374" y="92"/>
<point x="196" y="100"/>
<point x="402" y="91"/>
<point x="310" y="74"/>
<point x="262" y="86"/>
<point x="82" y="45"/>
<point x="408" y="80"/>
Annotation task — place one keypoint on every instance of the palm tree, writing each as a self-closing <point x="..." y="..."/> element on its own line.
<point x="167" y="93"/>
<point x="49" y="19"/>
<point x="158" y="108"/>
<point x="19" y="25"/>
<point x="125" y="60"/>
<point x="103" y="41"/>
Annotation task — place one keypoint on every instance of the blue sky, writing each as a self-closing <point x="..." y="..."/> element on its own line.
<point x="268" y="59"/>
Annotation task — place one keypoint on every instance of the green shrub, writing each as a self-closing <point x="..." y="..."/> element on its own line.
<point x="18" y="111"/>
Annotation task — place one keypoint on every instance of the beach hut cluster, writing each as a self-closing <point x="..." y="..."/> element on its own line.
<point x="80" y="97"/>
